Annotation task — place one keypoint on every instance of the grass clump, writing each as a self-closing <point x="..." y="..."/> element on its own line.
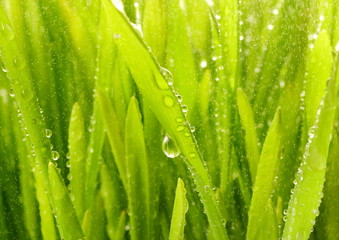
<point x="156" y="119"/>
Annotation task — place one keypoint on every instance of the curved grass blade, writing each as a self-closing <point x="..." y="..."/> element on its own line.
<point x="319" y="66"/>
<point x="114" y="134"/>
<point x="261" y="207"/>
<point x="329" y="215"/>
<point x="247" y="121"/>
<point x="66" y="217"/>
<point x="159" y="96"/>
<point x="307" y="192"/>
<point x="77" y="161"/>
<point x="230" y="39"/>
<point x="155" y="31"/>
<point x="180" y="209"/>
<point x="111" y="191"/>
<point x="138" y="185"/>
<point x="179" y="54"/>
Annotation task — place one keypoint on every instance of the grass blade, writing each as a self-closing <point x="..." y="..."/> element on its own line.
<point x="247" y="122"/>
<point x="77" y="161"/>
<point x="261" y="206"/>
<point x="162" y="101"/>
<point x="179" y="212"/>
<point x="66" y="217"/>
<point x="319" y="67"/>
<point x="307" y="192"/>
<point x="138" y="174"/>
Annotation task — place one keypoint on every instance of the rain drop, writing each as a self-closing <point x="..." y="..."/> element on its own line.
<point x="169" y="147"/>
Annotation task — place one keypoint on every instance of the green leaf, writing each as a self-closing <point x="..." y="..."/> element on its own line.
<point x="158" y="94"/>
<point x="180" y="209"/>
<point x="247" y="122"/>
<point x="138" y="175"/>
<point x="65" y="215"/>
<point x="77" y="161"/>
<point x="261" y="208"/>
<point x="307" y="192"/>
<point x="319" y="67"/>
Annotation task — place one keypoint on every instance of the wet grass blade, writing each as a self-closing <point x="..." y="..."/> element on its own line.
<point x="180" y="208"/>
<point x="261" y="207"/>
<point x="162" y="101"/>
<point x="319" y="67"/>
<point x="307" y="192"/>
<point x="77" y="161"/>
<point x="138" y="175"/>
<point x="247" y="122"/>
<point x="66" y="217"/>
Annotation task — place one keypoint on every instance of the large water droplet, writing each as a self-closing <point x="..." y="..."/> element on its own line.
<point x="169" y="147"/>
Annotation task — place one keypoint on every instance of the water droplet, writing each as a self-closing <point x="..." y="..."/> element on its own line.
<point x="203" y="64"/>
<point x="19" y="63"/>
<point x="184" y="108"/>
<point x="169" y="147"/>
<point x="275" y="12"/>
<point x="116" y="36"/>
<point x="167" y="75"/>
<point x="3" y="67"/>
<point x="180" y="128"/>
<point x="11" y="92"/>
<point x="55" y="155"/>
<point x="48" y="133"/>
<point x="179" y="98"/>
<point x="192" y="128"/>
<point x="179" y="120"/>
<point x="169" y="101"/>
<point x="270" y="27"/>
<point x="68" y="155"/>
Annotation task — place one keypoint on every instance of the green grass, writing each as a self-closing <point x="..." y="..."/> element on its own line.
<point x="169" y="119"/>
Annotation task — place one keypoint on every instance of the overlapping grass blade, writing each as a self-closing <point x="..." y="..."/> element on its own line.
<point x="247" y="122"/>
<point x="307" y="193"/>
<point x="328" y="221"/>
<point x="159" y="96"/>
<point x="68" y="224"/>
<point x="318" y="67"/>
<point x="261" y="209"/>
<point x="180" y="208"/>
<point x="77" y="160"/>
<point x="138" y="185"/>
